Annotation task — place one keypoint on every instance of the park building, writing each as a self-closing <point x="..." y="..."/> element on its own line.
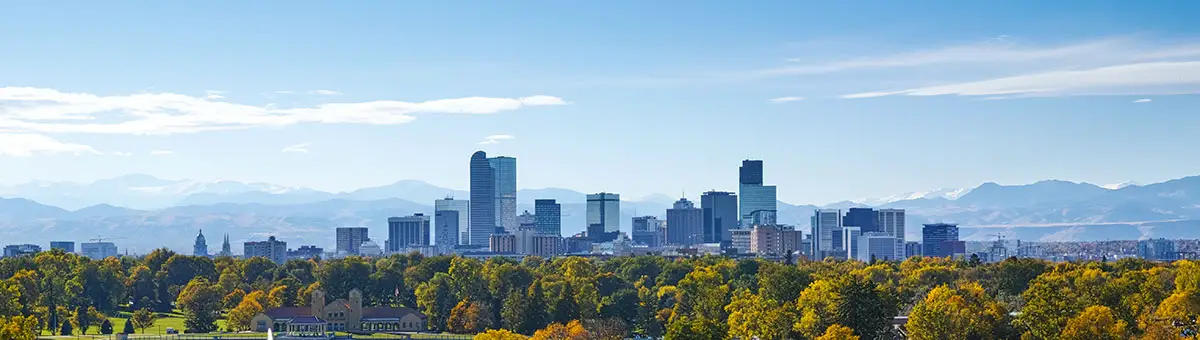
<point x="341" y="315"/>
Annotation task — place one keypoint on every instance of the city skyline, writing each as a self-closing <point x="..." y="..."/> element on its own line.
<point x="883" y="95"/>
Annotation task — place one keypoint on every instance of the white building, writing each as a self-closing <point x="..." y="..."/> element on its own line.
<point x="825" y="223"/>
<point x="879" y="245"/>
<point x="273" y="250"/>
<point x="740" y="240"/>
<point x="850" y="241"/>
<point x="370" y="249"/>
<point x="98" y="250"/>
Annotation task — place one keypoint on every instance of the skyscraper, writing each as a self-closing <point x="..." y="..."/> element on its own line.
<point x="504" y="169"/>
<point x="647" y="230"/>
<point x="720" y="215"/>
<point x="463" y="207"/>
<point x="200" y="248"/>
<point x="407" y="231"/>
<point x="603" y="216"/>
<point x="866" y="219"/>
<point x="941" y="240"/>
<point x="827" y="232"/>
<point x="350" y="238"/>
<point x="445" y="230"/>
<point x="891" y="221"/>
<point x="483" y="200"/>
<point x="66" y="246"/>
<point x="685" y="224"/>
<point x="757" y="201"/>
<point x="548" y="217"/>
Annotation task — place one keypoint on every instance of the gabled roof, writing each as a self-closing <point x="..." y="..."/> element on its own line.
<point x="288" y="312"/>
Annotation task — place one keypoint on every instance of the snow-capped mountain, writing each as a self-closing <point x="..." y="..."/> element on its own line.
<point x="1116" y="186"/>
<point x="133" y="191"/>
<point x="950" y="194"/>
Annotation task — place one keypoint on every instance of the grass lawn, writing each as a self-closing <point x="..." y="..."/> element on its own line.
<point x="165" y="320"/>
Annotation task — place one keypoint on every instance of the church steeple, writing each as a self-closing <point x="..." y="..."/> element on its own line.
<point x="225" y="250"/>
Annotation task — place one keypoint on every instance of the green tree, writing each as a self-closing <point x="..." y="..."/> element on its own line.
<point x="144" y="318"/>
<point x="1095" y="323"/>
<point x="106" y="327"/>
<point x="436" y="299"/>
<point x="338" y="277"/>
<point x="66" y="329"/>
<point x="201" y="303"/>
<point x="1049" y="303"/>
<point x="128" y="329"/>
<point x="141" y="287"/>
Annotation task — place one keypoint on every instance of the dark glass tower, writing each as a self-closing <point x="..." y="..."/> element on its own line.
<point x="751" y="172"/>
<point x="720" y="215"/>
<point x="483" y="200"/>
<point x="865" y="218"/>
<point x="547" y="217"/>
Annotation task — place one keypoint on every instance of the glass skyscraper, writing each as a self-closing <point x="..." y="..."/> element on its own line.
<point x="504" y="169"/>
<point x="720" y="215"/>
<point x="757" y="201"/>
<point x="941" y="240"/>
<point x="603" y="216"/>
<point x="547" y="216"/>
<point x="463" y="207"/>
<point x="685" y="224"/>
<point x="483" y="200"/>
<point x="827" y="232"/>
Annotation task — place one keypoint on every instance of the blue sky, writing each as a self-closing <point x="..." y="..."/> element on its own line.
<point x="843" y="100"/>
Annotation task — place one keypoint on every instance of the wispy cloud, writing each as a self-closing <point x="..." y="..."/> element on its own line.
<point x="298" y="148"/>
<point x="495" y="139"/>
<point x="1143" y="100"/>
<point x="285" y="92"/>
<point x="325" y="92"/>
<point x="214" y="95"/>
<point x="28" y="144"/>
<point x="1142" y="78"/>
<point x="161" y="152"/>
<point x="41" y="110"/>
<point x="782" y="100"/>
<point x="121" y="153"/>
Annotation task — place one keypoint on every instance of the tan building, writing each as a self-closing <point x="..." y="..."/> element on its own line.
<point x="502" y="243"/>
<point x="774" y="240"/>
<point x="341" y="315"/>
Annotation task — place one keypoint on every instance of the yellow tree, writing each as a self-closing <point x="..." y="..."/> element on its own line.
<point x="1095" y="323"/>
<point x="556" y="331"/>
<point x="838" y="332"/>
<point x="18" y="328"/>
<point x="946" y="313"/>
<point x="818" y="305"/>
<point x="753" y="316"/>
<point x="240" y="317"/>
<point x="499" y="334"/>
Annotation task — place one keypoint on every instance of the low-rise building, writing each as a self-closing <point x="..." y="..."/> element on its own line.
<point x="341" y="315"/>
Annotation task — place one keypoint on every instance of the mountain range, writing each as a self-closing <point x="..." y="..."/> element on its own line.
<point x="141" y="212"/>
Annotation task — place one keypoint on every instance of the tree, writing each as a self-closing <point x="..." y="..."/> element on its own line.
<point x="556" y="331"/>
<point x="499" y="334"/>
<point x="1095" y="323"/>
<point x="753" y="316"/>
<point x="201" y="303"/>
<point x="838" y="332"/>
<point x="231" y="300"/>
<point x="864" y="309"/>
<point x="239" y="318"/>
<point x="106" y="327"/>
<point x="276" y="297"/>
<point x="1049" y="303"/>
<point x="964" y="313"/>
<point x="819" y="305"/>
<point x="128" y="326"/>
<point x="66" y="329"/>
<point x="435" y="299"/>
<point x="18" y="328"/>
<point x="470" y="317"/>
<point x="144" y="318"/>
<point x="81" y="320"/>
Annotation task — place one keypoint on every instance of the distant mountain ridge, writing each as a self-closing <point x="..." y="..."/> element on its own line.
<point x="170" y="211"/>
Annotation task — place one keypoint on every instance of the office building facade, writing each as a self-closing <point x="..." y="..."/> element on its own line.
<point x="271" y="249"/>
<point x="547" y="215"/>
<point x="685" y="224"/>
<point x="720" y="215"/>
<point x="504" y="170"/>
<point x="445" y="230"/>
<point x="774" y="241"/>
<point x="305" y="252"/>
<point x="407" y="232"/>
<point x="827" y="232"/>
<point x="648" y="231"/>
<point x="463" y="207"/>
<point x="349" y="239"/>
<point x="757" y="202"/>
<point x="866" y="219"/>
<point x="603" y="216"/>
<point x="483" y="200"/>
<point x="98" y="250"/>
<point x="878" y="246"/>
<point x="66" y="246"/>
<point x="14" y="250"/>
<point x="941" y="240"/>
<point x="1159" y="249"/>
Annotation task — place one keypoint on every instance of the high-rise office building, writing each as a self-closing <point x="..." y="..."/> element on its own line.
<point x="14" y="250"/>
<point x="483" y="200"/>
<point x="685" y="224"/>
<point x="850" y="239"/>
<point x="1159" y="249"/>
<point x="445" y="230"/>
<point x="349" y="239"/>
<point x="648" y="230"/>
<point x="66" y="246"/>
<point x="941" y="240"/>
<point x="866" y="219"/>
<point x="891" y="221"/>
<point x="879" y="246"/>
<point x="548" y="217"/>
<point x="912" y="248"/>
<point x="603" y="216"/>
<point x="504" y="169"/>
<point x="775" y="240"/>
<point x="827" y="232"/>
<point x="200" y="248"/>
<point x="720" y="215"/>
<point x="757" y="202"/>
<point x="272" y="249"/>
<point x="886" y="221"/>
<point x="463" y="207"/>
<point x="526" y="220"/>
<point x="98" y="250"/>
<point x="408" y="231"/>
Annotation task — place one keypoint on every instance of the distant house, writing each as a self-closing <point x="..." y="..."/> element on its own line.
<point x="341" y="315"/>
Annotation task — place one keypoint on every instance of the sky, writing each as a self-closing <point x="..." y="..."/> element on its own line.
<point x="842" y="100"/>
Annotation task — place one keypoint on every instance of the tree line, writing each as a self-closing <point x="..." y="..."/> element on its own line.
<point x="582" y="298"/>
